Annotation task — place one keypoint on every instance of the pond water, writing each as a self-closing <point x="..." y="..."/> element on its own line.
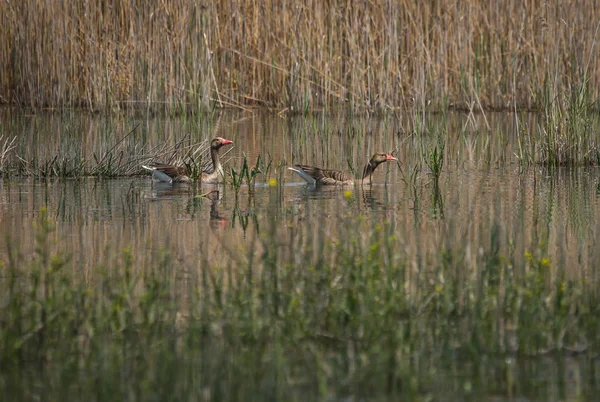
<point x="481" y="188"/>
<point x="484" y="198"/>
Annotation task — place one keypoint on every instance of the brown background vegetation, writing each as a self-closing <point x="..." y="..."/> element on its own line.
<point x="377" y="54"/>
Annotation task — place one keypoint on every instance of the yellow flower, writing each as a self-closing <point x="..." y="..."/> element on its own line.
<point x="272" y="182"/>
<point x="528" y="255"/>
<point x="545" y="261"/>
<point x="438" y="288"/>
<point x="348" y="194"/>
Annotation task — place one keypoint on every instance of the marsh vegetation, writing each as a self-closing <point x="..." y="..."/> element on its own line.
<point x="464" y="272"/>
<point x="184" y="56"/>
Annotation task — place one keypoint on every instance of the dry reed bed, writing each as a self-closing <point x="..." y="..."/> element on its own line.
<point x="185" y="55"/>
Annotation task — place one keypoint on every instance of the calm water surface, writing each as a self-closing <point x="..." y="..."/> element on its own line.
<point x="483" y="196"/>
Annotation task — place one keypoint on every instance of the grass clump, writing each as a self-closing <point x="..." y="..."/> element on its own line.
<point x="246" y="173"/>
<point x="568" y="129"/>
<point x="566" y="134"/>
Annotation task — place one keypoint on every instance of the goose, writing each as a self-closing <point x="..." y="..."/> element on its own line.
<point x="314" y="175"/>
<point x="181" y="174"/>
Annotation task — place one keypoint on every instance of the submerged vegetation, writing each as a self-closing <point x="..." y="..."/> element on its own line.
<point x="184" y="55"/>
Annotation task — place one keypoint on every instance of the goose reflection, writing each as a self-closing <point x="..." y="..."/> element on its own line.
<point x="167" y="191"/>
<point x="216" y="221"/>
<point x="371" y="197"/>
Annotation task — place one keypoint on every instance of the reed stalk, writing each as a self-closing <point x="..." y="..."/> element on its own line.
<point x="184" y="56"/>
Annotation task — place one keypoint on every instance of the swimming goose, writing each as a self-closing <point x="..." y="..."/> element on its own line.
<point x="314" y="175"/>
<point x="181" y="174"/>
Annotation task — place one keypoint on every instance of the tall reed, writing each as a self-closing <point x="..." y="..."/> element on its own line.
<point x="183" y="55"/>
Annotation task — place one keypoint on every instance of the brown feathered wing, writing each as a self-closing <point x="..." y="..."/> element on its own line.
<point x="326" y="176"/>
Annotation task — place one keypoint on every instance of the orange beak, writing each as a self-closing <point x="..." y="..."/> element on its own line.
<point x="390" y="158"/>
<point x="225" y="141"/>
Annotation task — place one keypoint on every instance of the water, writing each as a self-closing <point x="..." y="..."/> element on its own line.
<point x="481" y="187"/>
<point x="483" y="199"/>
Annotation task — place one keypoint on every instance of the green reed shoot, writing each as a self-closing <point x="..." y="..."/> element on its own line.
<point x="434" y="159"/>
<point x="265" y="166"/>
<point x="246" y="173"/>
<point x="238" y="178"/>
<point x="251" y="173"/>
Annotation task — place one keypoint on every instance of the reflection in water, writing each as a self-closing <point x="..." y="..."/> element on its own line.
<point x="371" y="201"/>
<point x="163" y="191"/>
<point x="217" y="220"/>
<point x="374" y="198"/>
<point x="530" y="207"/>
<point x="474" y="203"/>
<point x="244" y="217"/>
<point x="437" y="200"/>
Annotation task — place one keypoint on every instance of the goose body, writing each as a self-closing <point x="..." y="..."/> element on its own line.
<point x="314" y="175"/>
<point x="180" y="174"/>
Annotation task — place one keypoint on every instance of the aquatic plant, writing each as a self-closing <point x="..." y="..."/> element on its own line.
<point x="246" y="173"/>
<point x="566" y="134"/>
<point x="300" y="314"/>
<point x="434" y="159"/>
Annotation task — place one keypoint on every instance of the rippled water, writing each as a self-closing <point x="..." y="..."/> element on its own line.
<point x="484" y="196"/>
